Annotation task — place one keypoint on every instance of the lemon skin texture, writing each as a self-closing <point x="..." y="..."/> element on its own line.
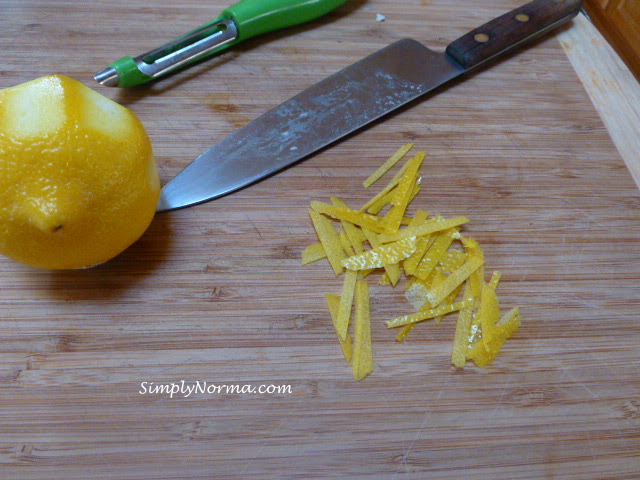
<point x="78" y="180"/>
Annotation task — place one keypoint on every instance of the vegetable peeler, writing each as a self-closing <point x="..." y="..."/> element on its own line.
<point x="241" y="21"/>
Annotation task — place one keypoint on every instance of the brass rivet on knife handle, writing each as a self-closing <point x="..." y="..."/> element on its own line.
<point x="511" y="30"/>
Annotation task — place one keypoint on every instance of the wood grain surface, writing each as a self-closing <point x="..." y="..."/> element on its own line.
<point x="215" y="293"/>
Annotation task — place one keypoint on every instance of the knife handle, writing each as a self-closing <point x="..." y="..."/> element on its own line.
<point x="511" y="30"/>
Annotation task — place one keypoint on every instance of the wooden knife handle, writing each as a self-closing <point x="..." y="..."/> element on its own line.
<point x="511" y="30"/>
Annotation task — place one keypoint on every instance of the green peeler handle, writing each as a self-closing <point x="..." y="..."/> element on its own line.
<point x="254" y="17"/>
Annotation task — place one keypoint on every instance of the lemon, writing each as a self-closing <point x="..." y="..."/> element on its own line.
<point x="78" y="181"/>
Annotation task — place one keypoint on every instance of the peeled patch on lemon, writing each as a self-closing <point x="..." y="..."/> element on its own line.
<point x="78" y="181"/>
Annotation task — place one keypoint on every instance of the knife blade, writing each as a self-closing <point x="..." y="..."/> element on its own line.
<point x="352" y="98"/>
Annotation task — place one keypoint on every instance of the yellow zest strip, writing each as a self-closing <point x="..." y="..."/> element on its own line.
<point x="427" y="314"/>
<point x="423" y="245"/>
<point x="404" y="333"/>
<point x="408" y="180"/>
<point x="495" y="278"/>
<point x="472" y="247"/>
<point x="346" y="300"/>
<point x="333" y="301"/>
<point x="510" y="321"/>
<point x="377" y="202"/>
<point x="449" y="299"/>
<point x="393" y="270"/>
<point x="451" y="260"/>
<point x="362" y="359"/>
<point x="434" y="254"/>
<point x="384" y="255"/>
<point x="390" y="186"/>
<point x="402" y="194"/>
<point x="414" y="193"/>
<point x="419" y="218"/>
<point x="428" y="227"/>
<point x="488" y="314"/>
<point x="381" y="202"/>
<point x="461" y="337"/>
<point x="386" y="166"/>
<point x="346" y="244"/>
<point x="330" y="240"/>
<point x="313" y="253"/>
<point x="507" y="326"/>
<point x="343" y="213"/>
<point x="449" y="284"/>
<point x="476" y="282"/>
<point x="416" y="295"/>
<point x="354" y="234"/>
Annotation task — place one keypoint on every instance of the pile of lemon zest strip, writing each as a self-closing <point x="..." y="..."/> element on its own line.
<point x="313" y="253"/>
<point x="449" y="284"/>
<point x="333" y="301"/>
<point x="402" y="194"/>
<point x="346" y="301"/>
<point x="388" y="254"/>
<point x="343" y="213"/>
<point x="386" y="166"/>
<point x="393" y="271"/>
<point x="330" y="240"/>
<point x="362" y="358"/>
<point x="434" y="254"/>
<point x="435" y="273"/>
<point x="461" y="336"/>
<point x="427" y="314"/>
<point x="428" y="227"/>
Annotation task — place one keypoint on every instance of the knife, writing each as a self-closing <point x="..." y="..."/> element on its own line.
<point x="350" y="99"/>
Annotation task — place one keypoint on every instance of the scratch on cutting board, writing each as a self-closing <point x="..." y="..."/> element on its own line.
<point x="425" y="418"/>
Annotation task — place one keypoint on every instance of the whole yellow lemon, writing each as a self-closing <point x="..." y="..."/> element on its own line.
<point x="78" y="181"/>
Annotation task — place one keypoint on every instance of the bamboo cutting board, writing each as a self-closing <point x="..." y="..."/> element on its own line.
<point x="216" y="294"/>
